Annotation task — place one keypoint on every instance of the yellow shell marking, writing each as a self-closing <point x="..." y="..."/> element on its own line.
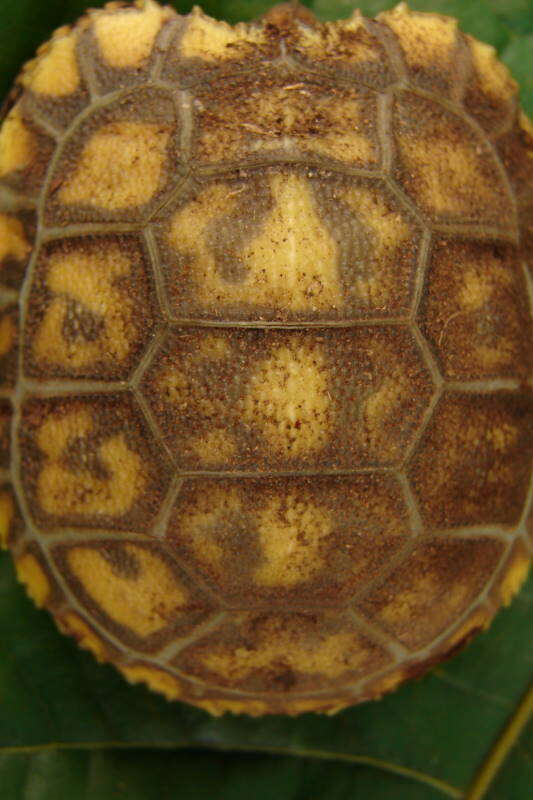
<point x="16" y="144"/>
<point x="515" y="577"/>
<point x="126" y="38"/>
<point x="290" y="264"/>
<point x="426" y="39"/>
<point x="8" y="335"/>
<point x="291" y="530"/>
<point x="378" y="408"/>
<point x="62" y="491"/>
<point x="215" y="447"/>
<point x="155" y="679"/>
<point x="55" y="72"/>
<point x="217" y="707"/>
<point x="32" y="575"/>
<point x="90" y="279"/>
<point x="374" y="286"/>
<point x="317" y="43"/>
<point x="7" y="515"/>
<point x="13" y="242"/>
<point x="85" y="636"/>
<point x="440" y="167"/>
<point x="330" y="656"/>
<point x="211" y="40"/>
<point x="288" y="402"/>
<point x="120" y="166"/>
<point x="494" y="77"/>
<point x="145" y="604"/>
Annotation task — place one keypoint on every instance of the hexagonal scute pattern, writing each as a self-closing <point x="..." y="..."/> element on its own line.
<point x="268" y="400"/>
<point x="289" y="543"/>
<point x="238" y="248"/>
<point x="83" y="317"/>
<point x="271" y="420"/>
<point x="90" y="461"/>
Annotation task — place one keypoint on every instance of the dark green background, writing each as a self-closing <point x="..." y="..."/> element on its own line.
<point x="73" y="730"/>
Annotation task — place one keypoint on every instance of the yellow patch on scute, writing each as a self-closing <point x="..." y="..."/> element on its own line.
<point x="91" y="280"/>
<point x="126" y="38"/>
<point x="74" y="625"/>
<point x="291" y="530"/>
<point x="155" y="679"/>
<point x="144" y="603"/>
<point x="287" y="400"/>
<point x="214" y="447"/>
<point x="440" y="167"/>
<point x="13" y="242"/>
<point x="17" y="144"/>
<point x="121" y="166"/>
<point x="7" y="515"/>
<point x="379" y="407"/>
<point x="32" y="575"/>
<point x="213" y="347"/>
<point x="494" y="77"/>
<point x="63" y="491"/>
<point x="374" y="285"/>
<point x="427" y="40"/>
<point x="213" y="40"/>
<point x="217" y="707"/>
<point x="55" y="72"/>
<point x="328" y="40"/>
<point x="291" y="263"/>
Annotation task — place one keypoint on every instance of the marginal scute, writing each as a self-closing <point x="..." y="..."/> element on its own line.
<point x="428" y="43"/>
<point x="156" y="679"/>
<point x="126" y="38"/>
<point x="7" y="515"/>
<point x="121" y="166"/>
<point x="55" y="72"/>
<point x="33" y="576"/>
<point x="215" y="41"/>
<point x="17" y="144"/>
<point x="73" y="625"/>
<point x="9" y="339"/>
<point x="514" y="575"/>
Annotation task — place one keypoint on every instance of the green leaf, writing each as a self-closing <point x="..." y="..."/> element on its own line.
<point x="427" y="740"/>
<point x="71" y="729"/>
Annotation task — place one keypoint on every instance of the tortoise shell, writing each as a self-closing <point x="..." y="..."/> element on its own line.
<point x="265" y="331"/>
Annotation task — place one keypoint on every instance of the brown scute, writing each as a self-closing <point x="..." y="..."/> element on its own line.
<point x="266" y="357"/>
<point x="473" y="464"/>
<point x="430" y="48"/>
<point x="435" y="149"/>
<point x="288" y="542"/>
<point x="432" y="588"/>
<point x="283" y="653"/>
<point x="83" y="309"/>
<point x="289" y="399"/>
<point x="133" y="589"/>
<point x="89" y="462"/>
<point x="347" y="49"/>
<point x="475" y="312"/>
<point x="280" y="116"/>
<point x="9" y="341"/>
<point x="239" y="249"/>
<point x="118" y="162"/>
<point x="491" y="94"/>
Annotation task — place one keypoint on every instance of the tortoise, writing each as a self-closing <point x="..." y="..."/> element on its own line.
<point x="266" y="348"/>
